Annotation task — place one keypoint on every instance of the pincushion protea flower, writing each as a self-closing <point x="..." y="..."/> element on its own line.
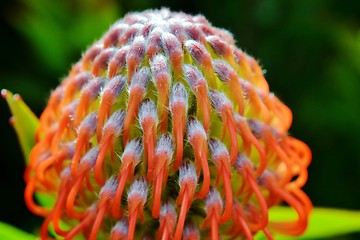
<point x="166" y="129"/>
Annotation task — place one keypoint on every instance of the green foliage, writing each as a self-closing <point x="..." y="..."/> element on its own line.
<point x="8" y="232"/>
<point x="23" y="120"/>
<point x="56" y="29"/>
<point x="324" y="223"/>
<point x="25" y="124"/>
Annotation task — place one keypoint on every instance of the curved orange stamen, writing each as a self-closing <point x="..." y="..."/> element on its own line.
<point x="29" y="200"/>
<point x="245" y="134"/>
<point x="56" y="140"/>
<point x="82" y="109"/>
<point x="248" y="136"/>
<point x="50" y="113"/>
<point x="283" y="113"/>
<point x="72" y="195"/>
<point x="237" y="93"/>
<point x="304" y="199"/>
<point x="132" y="223"/>
<point x="162" y="227"/>
<point x="255" y="218"/>
<point x="103" y="113"/>
<point x="44" y="165"/>
<point x="259" y="106"/>
<point x="179" y="119"/>
<point x="57" y="214"/>
<point x="165" y="235"/>
<point x="36" y="153"/>
<point x="229" y="196"/>
<point x="157" y="193"/>
<point x="78" y="228"/>
<point x="302" y="151"/>
<point x="281" y="154"/>
<point x="290" y="228"/>
<point x="261" y="201"/>
<point x="200" y="151"/>
<point x="81" y="142"/>
<point x="44" y="228"/>
<point x="163" y="87"/>
<point x="98" y="220"/>
<point x="268" y="234"/>
<point x="116" y="211"/>
<point x="301" y="179"/>
<point x="233" y="138"/>
<point x="203" y="103"/>
<point x="240" y="220"/>
<point x="257" y="74"/>
<point x="245" y="228"/>
<point x="214" y="227"/>
<point x="206" y="177"/>
<point x="68" y="94"/>
<point x="135" y="99"/>
<point x="243" y="185"/>
<point x="149" y="148"/>
<point x="182" y="215"/>
<point x="300" y="157"/>
<point x="105" y="144"/>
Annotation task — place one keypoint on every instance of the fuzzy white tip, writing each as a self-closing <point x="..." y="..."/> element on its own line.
<point x="197" y="51"/>
<point x="90" y="157"/>
<point x="217" y="148"/>
<point x="257" y="127"/>
<point x="135" y="149"/>
<point x="187" y="173"/>
<point x="241" y="159"/>
<point x="165" y="145"/>
<point x="223" y="70"/>
<point x="70" y="109"/>
<point x="121" y="227"/>
<point x="65" y="173"/>
<point x="141" y="78"/>
<point x="115" y="121"/>
<point x="139" y="189"/>
<point x="93" y="88"/>
<point x="166" y="210"/>
<point x="213" y="198"/>
<point x="69" y="148"/>
<point x="195" y="127"/>
<point x="178" y="95"/>
<point x="148" y="110"/>
<point x="171" y="44"/>
<point x="115" y="85"/>
<point x="193" y="76"/>
<point x="219" y="100"/>
<point x="160" y="67"/>
<point x="137" y="49"/>
<point x="190" y="230"/>
<point x="89" y="123"/>
<point x="110" y="186"/>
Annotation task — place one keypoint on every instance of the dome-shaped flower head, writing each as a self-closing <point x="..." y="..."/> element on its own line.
<point x="165" y="129"/>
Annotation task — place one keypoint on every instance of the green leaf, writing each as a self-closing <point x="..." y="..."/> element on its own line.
<point x="23" y="120"/>
<point x="324" y="222"/>
<point x="56" y="37"/>
<point x="25" y="124"/>
<point x="8" y="232"/>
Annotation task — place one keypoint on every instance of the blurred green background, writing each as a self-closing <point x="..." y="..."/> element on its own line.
<point x="310" y="50"/>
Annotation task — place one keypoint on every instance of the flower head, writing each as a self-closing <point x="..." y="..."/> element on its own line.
<point x="166" y="129"/>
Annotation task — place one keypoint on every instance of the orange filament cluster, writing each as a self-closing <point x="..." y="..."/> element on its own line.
<point x="165" y="129"/>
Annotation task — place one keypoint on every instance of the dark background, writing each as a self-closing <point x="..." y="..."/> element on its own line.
<point x="310" y="50"/>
